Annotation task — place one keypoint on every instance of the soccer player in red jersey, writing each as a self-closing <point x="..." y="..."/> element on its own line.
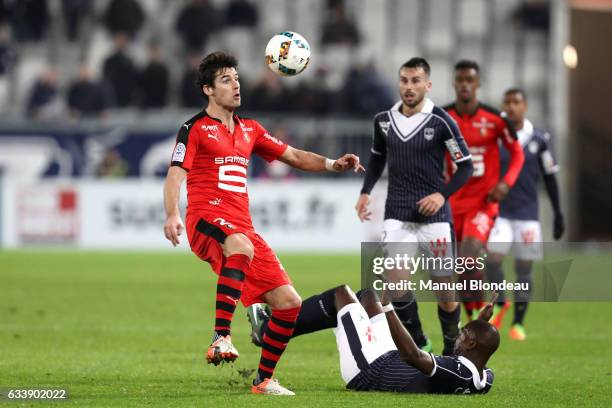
<point x="212" y="151"/>
<point x="476" y="204"/>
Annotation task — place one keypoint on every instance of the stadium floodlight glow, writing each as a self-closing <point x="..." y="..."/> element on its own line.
<point x="570" y="56"/>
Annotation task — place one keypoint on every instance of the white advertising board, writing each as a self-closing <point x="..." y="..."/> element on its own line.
<point x="128" y="214"/>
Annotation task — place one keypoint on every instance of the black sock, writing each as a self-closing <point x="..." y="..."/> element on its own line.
<point x="520" y="309"/>
<point x="318" y="312"/>
<point x="449" y="322"/>
<point x="521" y="298"/>
<point x="408" y="313"/>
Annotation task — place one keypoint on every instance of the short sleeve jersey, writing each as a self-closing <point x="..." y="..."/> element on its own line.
<point x="217" y="163"/>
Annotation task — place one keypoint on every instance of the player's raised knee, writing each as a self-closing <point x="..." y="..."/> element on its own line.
<point x="294" y="301"/>
<point x="289" y="300"/>
<point x="370" y="302"/>
<point x="344" y="290"/>
<point x="239" y="244"/>
<point x="343" y="296"/>
<point x="283" y="297"/>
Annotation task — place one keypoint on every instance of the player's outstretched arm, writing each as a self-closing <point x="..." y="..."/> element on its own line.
<point x="487" y="311"/>
<point x="172" y="187"/>
<point x="408" y="350"/>
<point x="309" y="161"/>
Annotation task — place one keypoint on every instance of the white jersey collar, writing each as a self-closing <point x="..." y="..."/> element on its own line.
<point x="524" y="135"/>
<point x="427" y="106"/>
<point x="476" y="377"/>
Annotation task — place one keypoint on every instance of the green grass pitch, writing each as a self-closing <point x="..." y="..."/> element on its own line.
<point x="120" y="329"/>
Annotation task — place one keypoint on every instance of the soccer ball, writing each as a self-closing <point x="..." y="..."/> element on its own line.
<point x="287" y="53"/>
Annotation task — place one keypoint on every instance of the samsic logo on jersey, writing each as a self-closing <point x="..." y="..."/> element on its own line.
<point x="232" y="159"/>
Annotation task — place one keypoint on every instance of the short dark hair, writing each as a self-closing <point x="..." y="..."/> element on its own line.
<point x="467" y="64"/>
<point x="516" y="91"/>
<point x="417" y="62"/>
<point x="209" y="66"/>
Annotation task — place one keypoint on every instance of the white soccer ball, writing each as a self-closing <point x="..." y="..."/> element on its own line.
<point x="287" y="53"/>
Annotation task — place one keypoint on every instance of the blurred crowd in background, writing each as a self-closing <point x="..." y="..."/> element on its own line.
<point x="123" y="82"/>
<point x="66" y="60"/>
<point x="144" y="69"/>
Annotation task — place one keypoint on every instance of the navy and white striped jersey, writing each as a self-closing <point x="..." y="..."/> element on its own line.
<point x="414" y="148"/>
<point x="458" y="375"/>
<point x="522" y="200"/>
<point x="451" y="375"/>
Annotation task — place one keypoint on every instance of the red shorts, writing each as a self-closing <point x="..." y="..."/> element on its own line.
<point x="475" y="224"/>
<point x="207" y="232"/>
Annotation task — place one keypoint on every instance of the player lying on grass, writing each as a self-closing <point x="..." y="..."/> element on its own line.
<point x="378" y="354"/>
<point x="212" y="151"/>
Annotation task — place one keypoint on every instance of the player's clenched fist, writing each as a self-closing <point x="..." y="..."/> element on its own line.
<point x="362" y="208"/>
<point x="173" y="228"/>
<point x="347" y="162"/>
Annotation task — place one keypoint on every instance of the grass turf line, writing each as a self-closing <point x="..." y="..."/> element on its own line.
<point x="131" y="329"/>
